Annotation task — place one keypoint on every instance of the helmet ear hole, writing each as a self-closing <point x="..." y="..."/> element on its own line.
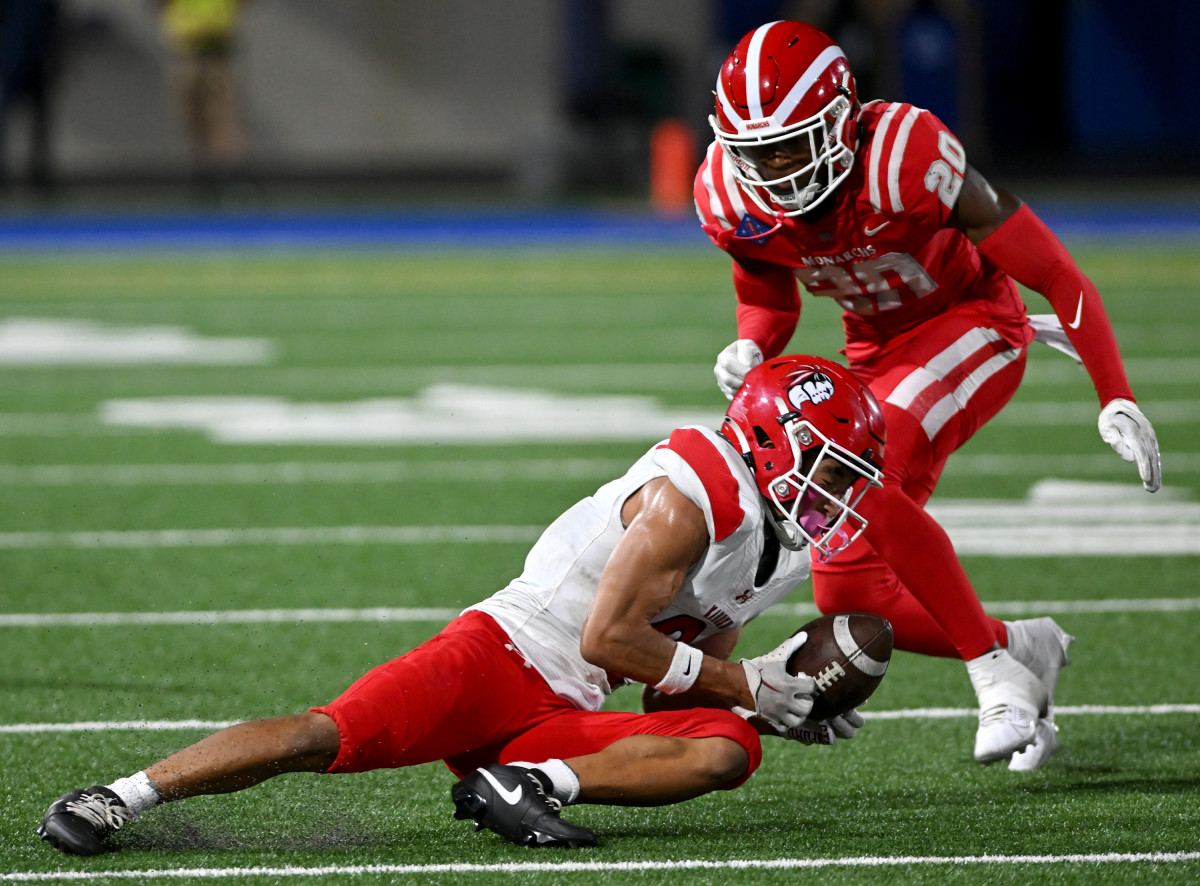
<point x="764" y="441"/>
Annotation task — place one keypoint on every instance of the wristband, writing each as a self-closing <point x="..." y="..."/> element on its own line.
<point x="683" y="672"/>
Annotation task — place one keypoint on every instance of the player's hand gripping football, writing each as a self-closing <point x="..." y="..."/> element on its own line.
<point x="1130" y="434"/>
<point x="780" y="698"/>
<point x="827" y="731"/>
<point x="733" y="363"/>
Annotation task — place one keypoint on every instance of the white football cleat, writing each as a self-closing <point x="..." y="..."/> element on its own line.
<point x="1045" y="743"/>
<point x="1011" y="699"/>
<point x="1041" y="645"/>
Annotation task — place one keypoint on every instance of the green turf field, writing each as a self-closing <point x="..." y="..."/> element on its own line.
<point x="158" y="537"/>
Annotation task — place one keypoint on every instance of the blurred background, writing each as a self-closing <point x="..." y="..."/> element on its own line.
<point x="262" y="102"/>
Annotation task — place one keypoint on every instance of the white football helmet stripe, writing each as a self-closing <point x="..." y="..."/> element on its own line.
<point x="822" y="61"/>
<point x="727" y="105"/>
<point x="753" y="56"/>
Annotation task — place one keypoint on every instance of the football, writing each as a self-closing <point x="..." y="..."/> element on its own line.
<point x="847" y="654"/>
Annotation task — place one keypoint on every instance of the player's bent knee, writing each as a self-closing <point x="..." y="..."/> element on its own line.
<point x="725" y="760"/>
<point x="313" y="739"/>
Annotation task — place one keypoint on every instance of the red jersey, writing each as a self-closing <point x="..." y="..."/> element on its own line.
<point x="882" y="249"/>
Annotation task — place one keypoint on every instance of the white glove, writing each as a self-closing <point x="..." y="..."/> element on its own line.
<point x="827" y="731"/>
<point x="781" y="699"/>
<point x="1130" y="434"/>
<point x="733" y="363"/>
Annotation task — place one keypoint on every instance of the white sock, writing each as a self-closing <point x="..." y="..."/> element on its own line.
<point x="564" y="783"/>
<point x="137" y="792"/>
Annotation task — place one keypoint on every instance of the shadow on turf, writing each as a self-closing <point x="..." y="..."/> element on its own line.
<point x="173" y="829"/>
<point x="176" y="829"/>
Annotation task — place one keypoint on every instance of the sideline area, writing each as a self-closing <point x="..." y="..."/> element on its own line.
<point x="1163" y="223"/>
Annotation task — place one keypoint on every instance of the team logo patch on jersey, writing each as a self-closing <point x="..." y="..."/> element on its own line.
<point x="754" y="230"/>
<point x="815" y="388"/>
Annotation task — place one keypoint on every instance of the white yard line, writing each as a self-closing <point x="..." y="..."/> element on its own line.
<point x="1080" y="413"/>
<point x="239" y="474"/>
<point x="1155" y="710"/>
<point x="443" y="615"/>
<point x="271" y="536"/>
<point x="566" y="867"/>
<point x="997" y="529"/>
<point x="1104" y="464"/>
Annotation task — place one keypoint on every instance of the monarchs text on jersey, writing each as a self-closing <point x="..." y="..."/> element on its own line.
<point x="880" y="245"/>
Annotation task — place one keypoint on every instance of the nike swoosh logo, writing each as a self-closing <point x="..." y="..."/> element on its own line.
<point x="511" y="796"/>
<point x="1078" y="312"/>
<point x="871" y="232"/>
<point x="688" y="670"/>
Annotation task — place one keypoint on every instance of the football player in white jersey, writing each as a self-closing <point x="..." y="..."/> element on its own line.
<point x="875" y="207"/>
<point x="649" y="580"/>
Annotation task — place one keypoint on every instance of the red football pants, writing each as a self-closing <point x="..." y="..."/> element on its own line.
<point x="936" y="388"/>
<point x="468" y="697"/>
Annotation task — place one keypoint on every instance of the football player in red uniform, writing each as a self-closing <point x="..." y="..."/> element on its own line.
<point x="649" y="580"/>
<point x="875" y="206"/>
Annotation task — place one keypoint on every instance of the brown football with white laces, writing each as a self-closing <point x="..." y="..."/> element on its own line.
<point x="847" y="654"/>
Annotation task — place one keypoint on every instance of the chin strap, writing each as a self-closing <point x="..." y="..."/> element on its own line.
<point x="789" y="536"/>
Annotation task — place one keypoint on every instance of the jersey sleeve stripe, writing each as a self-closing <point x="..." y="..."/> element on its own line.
<point x="722" y="204"/>
<point x="881" y="132"/>
<point x="713" y="177"/>
<point x="897" y="156"/>
<point x="707" y="203"/>
<point x="728" y="189"/>
<point x="720" y="485"/>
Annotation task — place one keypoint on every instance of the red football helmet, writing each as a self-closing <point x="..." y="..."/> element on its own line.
<point x="786" y="98"/>
<point x="789" y="415"/>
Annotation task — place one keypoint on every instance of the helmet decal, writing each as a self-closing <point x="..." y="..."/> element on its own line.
<point x="790" y="419"/>
<point x="816" y="388"/>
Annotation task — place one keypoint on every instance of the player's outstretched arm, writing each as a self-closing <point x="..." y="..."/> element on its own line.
<point x="768" y="309"/>
<point x="1009" y="234"/>
<point x="666" y="535"/>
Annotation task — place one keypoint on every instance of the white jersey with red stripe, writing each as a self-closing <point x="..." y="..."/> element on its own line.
<point x="544" y="609"/>
<point x="881" y="247"/>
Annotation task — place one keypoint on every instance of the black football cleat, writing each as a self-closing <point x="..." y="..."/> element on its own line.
<point x="77" y="823"/>
<point x="511" y="802"/>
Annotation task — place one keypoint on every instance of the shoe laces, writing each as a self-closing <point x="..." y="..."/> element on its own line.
<point x="553" y="802"/>
<point x="100" y="811"/>
<point x="994" y="715"/>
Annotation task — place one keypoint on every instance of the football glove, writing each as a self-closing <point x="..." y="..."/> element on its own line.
<point x="733" y="363"/>
<point x="1130" y="434"/>
<point x="783" y="700"/>
<point x="827" y="731"/>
